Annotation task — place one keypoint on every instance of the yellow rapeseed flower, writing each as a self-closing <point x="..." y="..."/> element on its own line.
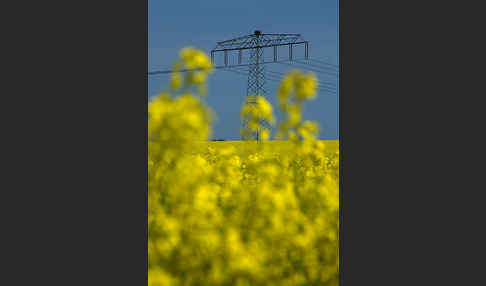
<point x="265" y="134"/>
<point x="194" y="58"/>
<point x="175" y="81"/>
<point x="306" y="87"/>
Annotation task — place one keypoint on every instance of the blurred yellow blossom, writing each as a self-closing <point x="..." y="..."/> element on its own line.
<point x="255" y="111"/>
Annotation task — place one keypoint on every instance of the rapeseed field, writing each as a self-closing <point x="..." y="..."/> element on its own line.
<point x="239" y="212"/>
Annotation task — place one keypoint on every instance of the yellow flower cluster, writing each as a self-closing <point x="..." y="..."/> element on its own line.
<point x="198" y="67"/>
<point x="303" y="85"/>
<point x="294" y="90"/>
<point x="256" y="110"/>
<point x="242" y="212"/>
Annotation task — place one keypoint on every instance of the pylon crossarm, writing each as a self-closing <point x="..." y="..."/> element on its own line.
<point x="235" y="41"/>
<point x="258" y="46"/>
<point x="265" y="40"/>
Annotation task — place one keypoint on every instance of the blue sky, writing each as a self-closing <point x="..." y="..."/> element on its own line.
<point x="173" y="25"/>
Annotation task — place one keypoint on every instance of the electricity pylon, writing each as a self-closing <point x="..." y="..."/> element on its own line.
<point x="256" y="43"/>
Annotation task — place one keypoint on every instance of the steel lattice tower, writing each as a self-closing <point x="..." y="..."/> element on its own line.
<point x="256" y="43"/>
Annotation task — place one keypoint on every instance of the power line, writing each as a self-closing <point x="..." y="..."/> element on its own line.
<point x="307" y="68"/>
<point x="281" y="74"/>
<point x="331" y="84"/>
<point x="222" y="67"/>
<point x="233" y="68"/>
<point x="323" y="62"/>
<point x="237" y="71"/>
<point x="321" y="86"/>
<point x="331" y="69"/>
<point x="319" y="67"/>
<point x="313" y="68"/>
<point x="276" y="80"/>
<point x="216" y="67"/>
